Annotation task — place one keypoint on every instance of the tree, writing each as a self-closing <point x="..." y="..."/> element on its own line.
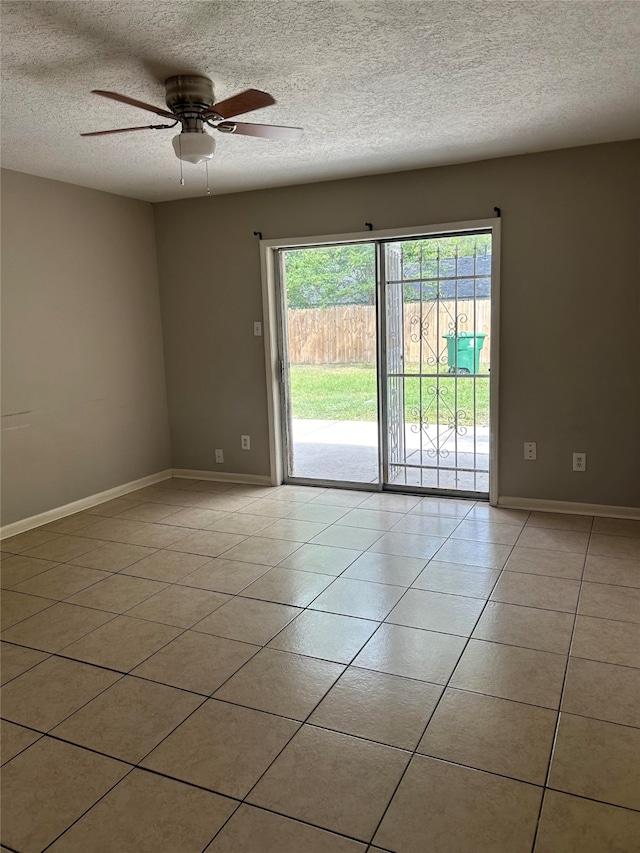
<point x="319" y="277"/>
<point x="330" y="275"/>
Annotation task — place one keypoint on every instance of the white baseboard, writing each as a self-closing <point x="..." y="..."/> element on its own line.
<point x="265" y="480"/>
<point x="222" y="477"/>
<point x="118" y="491"/>
<point x="79" y="506"/>
<point x="568" y="507"/>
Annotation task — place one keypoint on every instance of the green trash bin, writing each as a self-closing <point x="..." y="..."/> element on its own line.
<point x="463" y="351"/>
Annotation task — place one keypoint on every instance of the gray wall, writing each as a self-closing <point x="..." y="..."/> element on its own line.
<point x="83" y="389"/>
<point x="570" y="289"/>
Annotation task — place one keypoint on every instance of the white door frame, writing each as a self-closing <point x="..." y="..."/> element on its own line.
<point x="268" y="259"/>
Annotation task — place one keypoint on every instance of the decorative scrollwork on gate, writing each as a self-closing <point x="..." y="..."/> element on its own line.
<point x="423" y="422"/>
<point x="422" y="331"/>
<point x="423" y="326"/>
<point x="455" y="322"/>
<point x="456" y="423"/>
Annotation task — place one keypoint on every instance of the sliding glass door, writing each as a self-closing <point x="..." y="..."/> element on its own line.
<point x="330" y="363"/>
<point x="385" y="349"/>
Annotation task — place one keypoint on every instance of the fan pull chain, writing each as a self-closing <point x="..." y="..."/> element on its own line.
<point x="180" y="147"/>
<point x="206" y="165"/>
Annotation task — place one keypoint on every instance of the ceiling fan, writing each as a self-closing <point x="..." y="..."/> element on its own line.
<point x="191" y="103"/>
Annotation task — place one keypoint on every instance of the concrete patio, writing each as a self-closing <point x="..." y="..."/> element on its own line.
<point x="348" y="451"/>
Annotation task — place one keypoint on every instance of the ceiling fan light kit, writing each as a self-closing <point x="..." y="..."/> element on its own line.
<point x="188" y="96"/>
<point x="190" y="99"/>
<point x="194" y="147"/>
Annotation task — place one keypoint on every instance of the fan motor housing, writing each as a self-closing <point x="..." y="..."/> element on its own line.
<point x="184" y="92"/>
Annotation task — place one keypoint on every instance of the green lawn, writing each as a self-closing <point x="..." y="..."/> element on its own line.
<point x="348" y="392"/>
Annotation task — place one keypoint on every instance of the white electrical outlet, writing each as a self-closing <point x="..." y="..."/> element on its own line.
<point x="530" y="450"/>
<point x="245" y="442"/>
<point x="579" y="461"/>
<point x="219" y="456"/>
<point x="257" y="329"/>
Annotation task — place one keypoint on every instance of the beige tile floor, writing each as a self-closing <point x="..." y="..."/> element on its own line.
<point x="211" y="668"/>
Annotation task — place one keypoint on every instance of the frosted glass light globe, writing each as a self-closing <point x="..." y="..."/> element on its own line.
<point x="194" y="147"/>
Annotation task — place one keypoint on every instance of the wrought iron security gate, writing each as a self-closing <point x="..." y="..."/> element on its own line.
<point x="437" y="308"/>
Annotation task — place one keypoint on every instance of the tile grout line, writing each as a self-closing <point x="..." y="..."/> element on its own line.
<point x="211" y="696"/>
<point x="133" y="765"/>
<point x="471" y="567"/>
<point x="287" y="817"/>
<point x="444" y="689"/>
<point x="560" y="698"/>
<point x="86" y="811"/>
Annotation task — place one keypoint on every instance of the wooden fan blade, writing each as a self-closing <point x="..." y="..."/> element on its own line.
<point x="126" y="129"/>
<point x="266" y="131"/>
<point x="141" y="104"/>
<point x="244" y="102"/>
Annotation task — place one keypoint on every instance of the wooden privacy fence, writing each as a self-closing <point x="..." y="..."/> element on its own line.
<point x="346" y="334"/>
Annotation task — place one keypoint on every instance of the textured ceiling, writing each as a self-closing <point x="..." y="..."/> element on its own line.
<point x="377" y="86"/>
